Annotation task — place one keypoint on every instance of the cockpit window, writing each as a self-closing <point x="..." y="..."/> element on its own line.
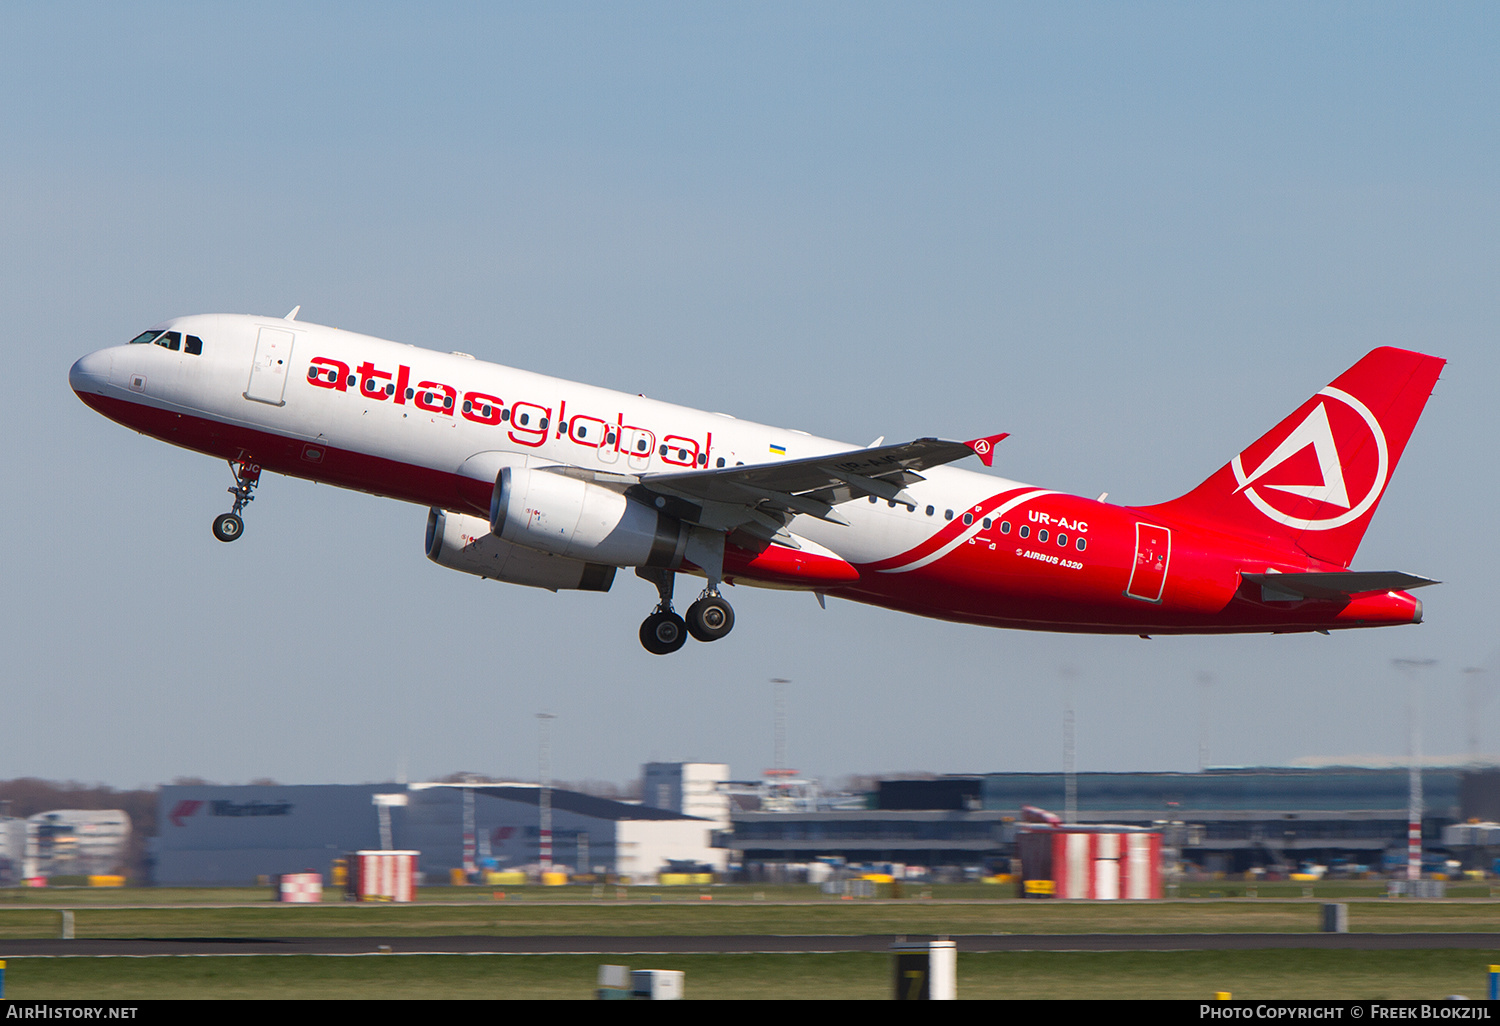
<point x="173" y="340"/>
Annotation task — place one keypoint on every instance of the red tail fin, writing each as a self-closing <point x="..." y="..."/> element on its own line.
<point x="1315" y="479"/>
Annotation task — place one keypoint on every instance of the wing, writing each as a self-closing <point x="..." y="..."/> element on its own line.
<point x="760" y="499"/>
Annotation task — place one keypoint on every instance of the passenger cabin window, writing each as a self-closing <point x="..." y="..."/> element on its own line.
<point x="968" y="519"/>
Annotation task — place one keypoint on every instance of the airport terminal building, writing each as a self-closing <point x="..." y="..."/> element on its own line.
<point x="1234" y="819"/>
<point x="1218" y="820"/>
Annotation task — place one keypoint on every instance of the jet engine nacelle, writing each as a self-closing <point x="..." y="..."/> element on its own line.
<point x="465" y="543"/>
<point x="582" y="520"/>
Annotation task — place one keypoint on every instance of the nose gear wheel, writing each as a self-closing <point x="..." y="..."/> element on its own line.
<point x="229" y="526"/>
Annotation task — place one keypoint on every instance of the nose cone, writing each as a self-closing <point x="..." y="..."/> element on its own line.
<point x="90" y="374"/>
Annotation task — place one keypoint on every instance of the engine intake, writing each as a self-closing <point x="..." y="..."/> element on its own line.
<point x="582" y="520"/>
<point x="465" y="543"/>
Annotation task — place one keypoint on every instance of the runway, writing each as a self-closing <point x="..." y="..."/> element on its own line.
<point x="762" y="944"/>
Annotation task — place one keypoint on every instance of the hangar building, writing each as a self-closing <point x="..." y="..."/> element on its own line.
<point x="234" y="835"/>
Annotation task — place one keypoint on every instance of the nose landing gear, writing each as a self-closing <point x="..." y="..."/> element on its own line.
<point x="664" y="632"/>
<point x="228" y="526"/>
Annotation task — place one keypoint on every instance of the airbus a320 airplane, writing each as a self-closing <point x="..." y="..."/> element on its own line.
<point x="554" y="484"/>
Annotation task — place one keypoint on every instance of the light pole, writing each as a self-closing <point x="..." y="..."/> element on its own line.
<point x="544" y="760"/>
<point x="1474" y="699"/>
<point x="1070" y="749"/>
<point x="780" y="722"/>
<point x="1414" y="773"/>
<point x="470" y="868"/>
<point x="1205" y="685"/>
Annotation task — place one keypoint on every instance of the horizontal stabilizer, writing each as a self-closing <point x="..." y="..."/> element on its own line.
<point x="1335" y="585"/>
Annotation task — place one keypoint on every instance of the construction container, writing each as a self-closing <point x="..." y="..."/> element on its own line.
<point x="300" y="888"/>
<point x="383" y="875"/>
<point x="1103" y="863"/>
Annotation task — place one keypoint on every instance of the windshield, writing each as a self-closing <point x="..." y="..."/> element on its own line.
<point x="173" y="340"/>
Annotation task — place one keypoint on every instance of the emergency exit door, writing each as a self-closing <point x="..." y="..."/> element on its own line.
<point x="273" y="354"/>
<point x="1153" y="550"/>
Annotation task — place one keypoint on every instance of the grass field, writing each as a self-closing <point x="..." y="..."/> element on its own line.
<point x="1113" y="975"/>
<point x="228" y="912"/>
<point x="634" y="918"/>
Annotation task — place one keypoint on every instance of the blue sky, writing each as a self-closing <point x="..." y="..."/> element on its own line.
<point x="1135" y="236"/>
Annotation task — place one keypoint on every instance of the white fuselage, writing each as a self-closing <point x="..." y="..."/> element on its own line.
<point x="443" y="427"/>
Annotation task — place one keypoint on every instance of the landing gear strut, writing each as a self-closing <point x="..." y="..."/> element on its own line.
<point x="229" y="526"/>
<point x="664" y="632"/>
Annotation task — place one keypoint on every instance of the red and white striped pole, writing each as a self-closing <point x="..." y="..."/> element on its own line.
<point x="1414" y="850"/>
<point x="545" y="799"/>
<point x="1414" y="777"/>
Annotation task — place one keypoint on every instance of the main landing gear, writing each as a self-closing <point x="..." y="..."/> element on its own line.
<point x="228" y="526"/>
<point x="664" y="632"/>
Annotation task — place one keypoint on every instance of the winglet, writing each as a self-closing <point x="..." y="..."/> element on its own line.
<point x="293" y="315"/>
<point x="984" y="447"/>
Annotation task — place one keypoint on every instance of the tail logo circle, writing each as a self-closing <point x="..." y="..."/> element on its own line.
<point x="1309" y="499"/>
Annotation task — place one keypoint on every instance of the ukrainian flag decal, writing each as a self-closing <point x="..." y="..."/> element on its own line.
<point x="778" y="450"/>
